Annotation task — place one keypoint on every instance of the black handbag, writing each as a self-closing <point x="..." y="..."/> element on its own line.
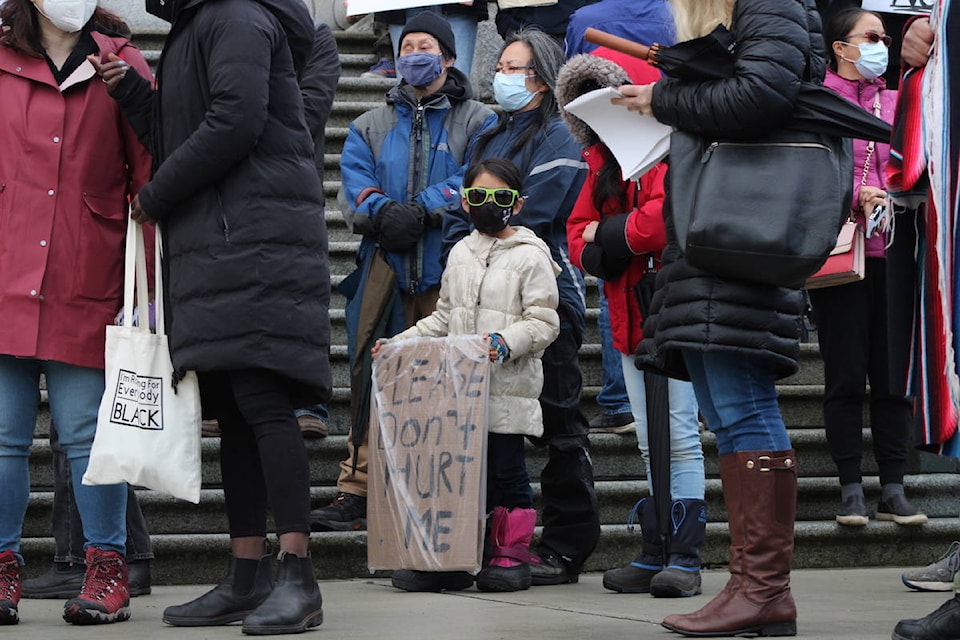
<point x="763" y="210"/>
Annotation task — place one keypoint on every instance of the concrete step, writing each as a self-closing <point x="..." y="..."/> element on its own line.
<point x="201" y="558"/>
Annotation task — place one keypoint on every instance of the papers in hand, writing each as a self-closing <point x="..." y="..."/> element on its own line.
<point x="637" y="141"/>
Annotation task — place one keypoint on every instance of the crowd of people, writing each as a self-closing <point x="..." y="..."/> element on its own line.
<point x="471" y="221"/>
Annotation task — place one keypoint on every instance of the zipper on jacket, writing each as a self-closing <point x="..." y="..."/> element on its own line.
<point x="413" y="261"/>
<point x="223" y="217"/>
<point x="715" y="145"/>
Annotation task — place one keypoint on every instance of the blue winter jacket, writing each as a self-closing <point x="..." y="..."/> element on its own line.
<point x="553" y="172"/>
<point x="411" y="151"/>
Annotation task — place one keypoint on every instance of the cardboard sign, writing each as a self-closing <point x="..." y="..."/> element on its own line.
<point x="426" y="496"/>
<point x="899" y="6"/>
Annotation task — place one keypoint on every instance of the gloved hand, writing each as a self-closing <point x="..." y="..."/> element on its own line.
<point x="401" y="225"/>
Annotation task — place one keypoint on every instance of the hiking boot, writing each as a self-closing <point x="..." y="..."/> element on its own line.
<point x="104" y="597"/>
<point x="62" y="581"/>
<point x="294" y="605"/>
<point x="9" y="588"/>
<point x="312" y="426"/>
<point x="937" y="576"/>
<point x="553" y="569"/>
<point x="431" y="581"/>
<point x="619" y="423"/>
<point x="898" y="509"/>
<point x="384" y="68"/>
<point x="853" y="512"/>
<point x="210" y="428"/>
<point x="942" y="624"/>
<point x="347" y="512"/>
<point x="247" y="584"/>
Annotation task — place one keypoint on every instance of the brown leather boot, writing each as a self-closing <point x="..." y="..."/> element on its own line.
<point x="761" y="488"/>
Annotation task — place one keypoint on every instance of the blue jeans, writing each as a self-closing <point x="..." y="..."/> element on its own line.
<point x="74" y="394"/>
<point x="613" y="397"/>
<point x="317" y="411"/>
<point x="464" y="33"/>
<point x="686" y="452"/>
<point x="738" y="399"/>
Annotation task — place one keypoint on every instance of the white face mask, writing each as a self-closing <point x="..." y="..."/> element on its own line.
<point x="68" y="15"/>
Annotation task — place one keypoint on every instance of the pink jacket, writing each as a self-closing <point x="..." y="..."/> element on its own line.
<point x="862" y="92"/>
<point x="69" y="163"/>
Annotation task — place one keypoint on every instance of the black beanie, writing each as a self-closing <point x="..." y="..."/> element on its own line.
<point x="434" y="24"/>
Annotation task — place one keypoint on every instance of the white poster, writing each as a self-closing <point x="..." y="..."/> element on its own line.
<point x="899" y="6"/>
<point x="360" y="7"/>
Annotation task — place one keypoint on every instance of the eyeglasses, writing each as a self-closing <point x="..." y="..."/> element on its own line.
<point x="873" y="37"/>
<point x="476" y="196"/>
<point x="514" y="69"/>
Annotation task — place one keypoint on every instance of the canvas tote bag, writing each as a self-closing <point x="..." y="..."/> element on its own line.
<point x="148" y="431"/>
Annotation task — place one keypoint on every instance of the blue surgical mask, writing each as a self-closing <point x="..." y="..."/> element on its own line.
<point x="420" y="69"/>
<point x="873" y="60"/>
<point x="510" y="91"/>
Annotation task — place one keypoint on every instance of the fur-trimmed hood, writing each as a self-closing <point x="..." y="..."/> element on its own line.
<point x="586" y="72"/>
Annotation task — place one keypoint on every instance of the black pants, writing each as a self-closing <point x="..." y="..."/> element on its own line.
<point x="263" y="460"/>
<point x="67" y="527"/>
<point x="508" y="482"/>
<point x="852" y="328"/>
<point x="571" y="518"/>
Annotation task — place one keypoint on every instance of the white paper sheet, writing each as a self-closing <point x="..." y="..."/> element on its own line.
<point x="898" y="6"/>
<point x="638" y="142"/>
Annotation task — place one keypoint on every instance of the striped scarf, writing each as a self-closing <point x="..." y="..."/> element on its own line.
<point x="925" y="157"/>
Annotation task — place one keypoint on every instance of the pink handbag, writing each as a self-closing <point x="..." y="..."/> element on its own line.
<point x="846" y="262"/>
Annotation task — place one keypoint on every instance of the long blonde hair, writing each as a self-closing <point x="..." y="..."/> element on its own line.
<point x="695" y="18"/>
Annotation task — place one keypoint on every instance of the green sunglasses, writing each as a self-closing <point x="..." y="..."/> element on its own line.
<point x="477" y="196"/>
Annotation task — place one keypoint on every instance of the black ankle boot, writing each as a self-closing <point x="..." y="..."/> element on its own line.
<point x="246" y="585"/>
<point x="295" y="604"/>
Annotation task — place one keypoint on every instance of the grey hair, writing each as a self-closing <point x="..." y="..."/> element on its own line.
<point x="547" y="55"/>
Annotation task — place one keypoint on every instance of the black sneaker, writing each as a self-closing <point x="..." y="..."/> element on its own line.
<point x="347" y="512"/>
<point x="63" y="581"/>
<point x="853" y="512"/>
<point x="898" y="509"/>
<point x="552" y="570"/>
<point x="944" y="623"/>
<point x="619" y="423"/>
<point x="431" y="581"/>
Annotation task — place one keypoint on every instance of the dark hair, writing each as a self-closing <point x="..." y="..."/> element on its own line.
<point x="609" y="185"/>
<point x="840" y="26"/>
<point x="21" y="26"/>
<point x="499" y="168"/>
<point x="546" y="60"/>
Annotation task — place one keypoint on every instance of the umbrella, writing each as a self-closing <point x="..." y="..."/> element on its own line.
<point x="710" y="57"/>
<point x="658" y="420"/>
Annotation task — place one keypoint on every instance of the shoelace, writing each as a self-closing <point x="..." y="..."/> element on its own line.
<point x="952" y="556"/>
<point x="102" y="578"/>
<point x="632" y="518"/>
<point x="9" y="579"/>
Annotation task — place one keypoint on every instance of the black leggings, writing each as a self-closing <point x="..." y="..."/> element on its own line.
<point x="263" y="460"/>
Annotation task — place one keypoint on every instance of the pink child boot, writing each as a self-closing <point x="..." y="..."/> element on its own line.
<point x="510" y="535"/>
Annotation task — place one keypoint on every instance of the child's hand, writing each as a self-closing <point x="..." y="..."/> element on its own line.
<point x="376" y="348"/>
<point x="499" y="351"/>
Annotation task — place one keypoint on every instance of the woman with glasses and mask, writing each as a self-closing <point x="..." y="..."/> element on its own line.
<point x="851" y="319"/>
<point x="531" y="133"/>
<point x="500" y="282"/>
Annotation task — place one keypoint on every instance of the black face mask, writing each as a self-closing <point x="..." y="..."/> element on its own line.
<point x="489" y="218"/>
<point x="163" y="9"/>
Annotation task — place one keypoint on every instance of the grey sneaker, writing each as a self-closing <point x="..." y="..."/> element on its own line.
<point x="937" y="576"/>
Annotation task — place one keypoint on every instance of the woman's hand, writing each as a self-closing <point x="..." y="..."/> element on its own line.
<point x="137" y="213"/>
<point x="636" y="97"/>
<point x="917" y="42"/>
<point x="375" y="349"/>
<point x="112" y="71"/>
<point x="870" y="198"/>
<point x="590" y="231"/>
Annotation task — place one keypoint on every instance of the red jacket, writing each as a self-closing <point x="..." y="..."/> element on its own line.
<point x="621" y="234"/>
<point x="68" y="165"/>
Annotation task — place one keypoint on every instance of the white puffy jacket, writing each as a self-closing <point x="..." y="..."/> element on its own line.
<point x="507" y="287"/>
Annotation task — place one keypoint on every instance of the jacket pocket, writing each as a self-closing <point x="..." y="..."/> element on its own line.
<point x="100" y="248"/>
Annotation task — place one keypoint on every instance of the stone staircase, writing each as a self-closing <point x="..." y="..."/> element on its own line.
<point x="191" y="540"/>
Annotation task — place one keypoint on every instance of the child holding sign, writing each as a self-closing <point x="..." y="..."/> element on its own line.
<point x="500" y="281"/>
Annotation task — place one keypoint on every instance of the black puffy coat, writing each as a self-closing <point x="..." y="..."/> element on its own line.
<point x="693" y="309"/>
<point x="236" y="192"/>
